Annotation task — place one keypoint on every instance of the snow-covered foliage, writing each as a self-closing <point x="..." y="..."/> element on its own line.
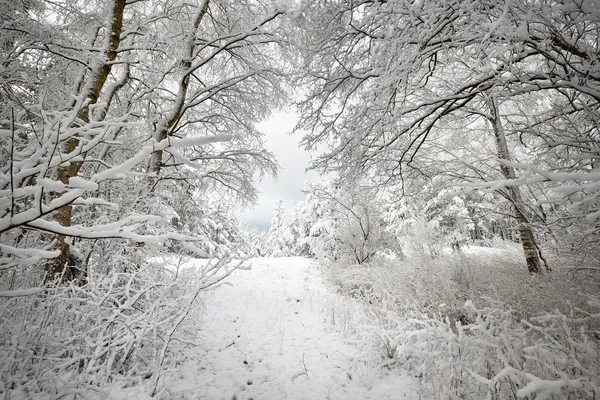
<point x="442" y="222"/>
<point x="208" y="218"/>
<point x="473" y="326"/>
<point x="127" y="133"/>
<point x="277" y="240"/>
<point x="251" y="241"/>
<point x="485" y="95"/>
<point x="121" y="330"/>
<point x="119" y="114"/>
<point x="310" y="222"/>
<point x="451" y="217"/>
<point x="127" y="139"/>
<point x="341" y="223"/>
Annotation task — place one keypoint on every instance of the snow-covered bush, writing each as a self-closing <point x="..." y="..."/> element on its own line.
<point x="120" y="329"/>
<point x="348" y="226"/>
<point x="474" y="325"/>
<point x="489" y="353"/>
<point x="422" y="237"/>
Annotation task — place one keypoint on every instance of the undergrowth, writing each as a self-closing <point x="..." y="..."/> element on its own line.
<point x="122" y="331"/>
<point x="475" y="324"/>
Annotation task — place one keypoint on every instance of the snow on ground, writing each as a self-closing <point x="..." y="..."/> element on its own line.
<point x="264" y="337"/>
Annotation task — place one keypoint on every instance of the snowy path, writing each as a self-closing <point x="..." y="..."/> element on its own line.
<point x="264" y="338"/>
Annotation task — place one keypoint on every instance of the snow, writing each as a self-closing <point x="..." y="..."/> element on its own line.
<point x="28" y="252"/>
<point x="51" y="184"/>
<point x="117" y="170"/>
<point x="20" y="292"/>
<point x="78" y="182"/>
<point x="544" y="388"/>
<point x="263" y="336"/>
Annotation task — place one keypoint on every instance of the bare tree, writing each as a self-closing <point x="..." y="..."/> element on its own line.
<point x="530" y="247"/>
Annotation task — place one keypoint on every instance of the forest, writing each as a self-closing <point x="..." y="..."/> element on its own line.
<point x="451" y="249"/>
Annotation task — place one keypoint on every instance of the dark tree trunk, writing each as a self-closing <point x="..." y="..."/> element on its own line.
<point x="61" y="266"/>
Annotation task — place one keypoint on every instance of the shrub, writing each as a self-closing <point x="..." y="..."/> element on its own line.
<point x="474" y="325"/>
<point x="120" y="330"/>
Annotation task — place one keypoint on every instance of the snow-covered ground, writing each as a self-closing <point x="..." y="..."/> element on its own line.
<point x="264" y="336"/>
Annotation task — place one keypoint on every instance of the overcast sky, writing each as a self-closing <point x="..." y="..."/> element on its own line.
<point x="293" y="162"/>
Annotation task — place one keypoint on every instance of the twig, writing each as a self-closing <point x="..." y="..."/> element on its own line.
<point x="304" y="364"/>
<point x="12" y="160"/>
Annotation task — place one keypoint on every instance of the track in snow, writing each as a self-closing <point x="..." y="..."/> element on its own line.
<point x="264" y="338"/>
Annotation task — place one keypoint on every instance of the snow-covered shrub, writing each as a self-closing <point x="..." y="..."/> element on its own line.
<point x="120" y="329"/>
<point x="360" y="238"/>
<point x="475" y="325"/>
<point x="422" y="237"/>
<point x="348" y="225"/>
<point x="490" y="354"/>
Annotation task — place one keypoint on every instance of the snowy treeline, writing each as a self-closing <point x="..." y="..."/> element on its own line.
<point x="354" y="224"/>
<point x="501" y="97"/>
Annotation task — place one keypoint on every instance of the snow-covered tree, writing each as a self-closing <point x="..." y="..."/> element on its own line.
<point x="384" y="79"/>
<point x="341" y="223"/>
<point x="251" y="241"/>
<point x="127" y="132"/>
<point x="277" y="239"/>
<point x="308" y="222"/>
<point x="118" y="104"/>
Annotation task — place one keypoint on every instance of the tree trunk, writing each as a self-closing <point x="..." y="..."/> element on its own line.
<point x="530" y="247"/>
<point x="164" y="127"/>
<point x="60" y="267"/>
<point x="476" y="232"/>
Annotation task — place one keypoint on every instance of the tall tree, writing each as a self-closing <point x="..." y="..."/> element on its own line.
<point x="276" y="238"/>
<point x="89" y="89"/>
<point x="530" y="247"/>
